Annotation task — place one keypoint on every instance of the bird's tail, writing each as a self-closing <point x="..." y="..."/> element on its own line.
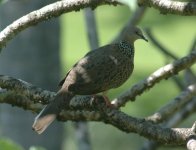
<point x="49" y="113"/>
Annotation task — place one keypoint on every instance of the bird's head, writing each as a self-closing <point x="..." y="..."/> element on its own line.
<point x="134" y="34"/>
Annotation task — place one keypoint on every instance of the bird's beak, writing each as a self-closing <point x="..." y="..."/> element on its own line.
<point x="144" y="38"/>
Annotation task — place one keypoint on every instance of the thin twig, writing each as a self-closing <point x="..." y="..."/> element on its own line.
<point x="169" y="109"/>
<point x="178" y="83"/>
<point x="158" y="45"/>
<point x="189" y="75"/>
<point x="167" y="53"/>
<point x="185" y="111"/>
<point x="193" y="46"/>
<point x="182" y="114"/>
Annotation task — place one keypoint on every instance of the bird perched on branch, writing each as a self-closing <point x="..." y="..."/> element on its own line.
<point x="99" y="70"/>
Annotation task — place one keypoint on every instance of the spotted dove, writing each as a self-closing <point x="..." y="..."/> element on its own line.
<point x="99" y="70"/>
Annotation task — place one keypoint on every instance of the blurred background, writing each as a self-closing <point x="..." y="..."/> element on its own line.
<point x="176" y="33"/>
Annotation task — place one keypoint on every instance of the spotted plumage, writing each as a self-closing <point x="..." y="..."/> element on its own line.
<point x="99" y="70"/>
<point x="90" y="77"/>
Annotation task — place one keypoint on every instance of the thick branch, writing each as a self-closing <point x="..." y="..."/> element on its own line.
<point x="45" y="13"/>
<point x="130" y="124"/>
<point x="25" y="89"/>
<point x="171" y="7"/>
<point x="94" y="109"/>
<point x="19" y="100"/>
<point x="162" y="73"/>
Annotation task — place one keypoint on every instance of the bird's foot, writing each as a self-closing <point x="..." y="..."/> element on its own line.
<point x="97" y="99"/>
<point x="108" y="102"/>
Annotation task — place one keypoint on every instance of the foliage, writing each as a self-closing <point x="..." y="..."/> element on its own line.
<point x="8" y="144"/>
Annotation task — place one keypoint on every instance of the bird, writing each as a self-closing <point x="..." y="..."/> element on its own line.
<point x="100" y="70"/>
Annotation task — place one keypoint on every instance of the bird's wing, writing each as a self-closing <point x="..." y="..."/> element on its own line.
<point x="88" y="54"/>
<point x="93" y="72"/>
<point x="63" y="80"/>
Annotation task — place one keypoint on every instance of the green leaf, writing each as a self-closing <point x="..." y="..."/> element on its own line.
<point x="7" y="144"/>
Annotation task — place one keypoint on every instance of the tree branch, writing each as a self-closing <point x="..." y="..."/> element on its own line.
<point x="173" y="121"/>
<point x="162" y="73"/>
<point x="19" y="100"/>
<point x="158" y="45"/>
<point x="171" y="7"/>
<point x="25" y="89"/>
<point x="189" y="74"/>
<point x="45" y="13"/>
<point x="94" y="109"/>
<point x="191" y="144"/>
<point x="182" y="114"/>
<point x="170" y="108"/>
<point x="130" y="124"/>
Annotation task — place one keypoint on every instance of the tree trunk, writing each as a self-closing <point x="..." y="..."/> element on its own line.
<point x="34" y="57"/>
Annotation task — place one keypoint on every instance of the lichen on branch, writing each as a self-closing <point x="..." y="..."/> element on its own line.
<point x="171" y="7"/>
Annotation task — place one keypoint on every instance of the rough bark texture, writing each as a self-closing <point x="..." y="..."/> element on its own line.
<point x="53" y="10"/>
<point x="171" y="7"/>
